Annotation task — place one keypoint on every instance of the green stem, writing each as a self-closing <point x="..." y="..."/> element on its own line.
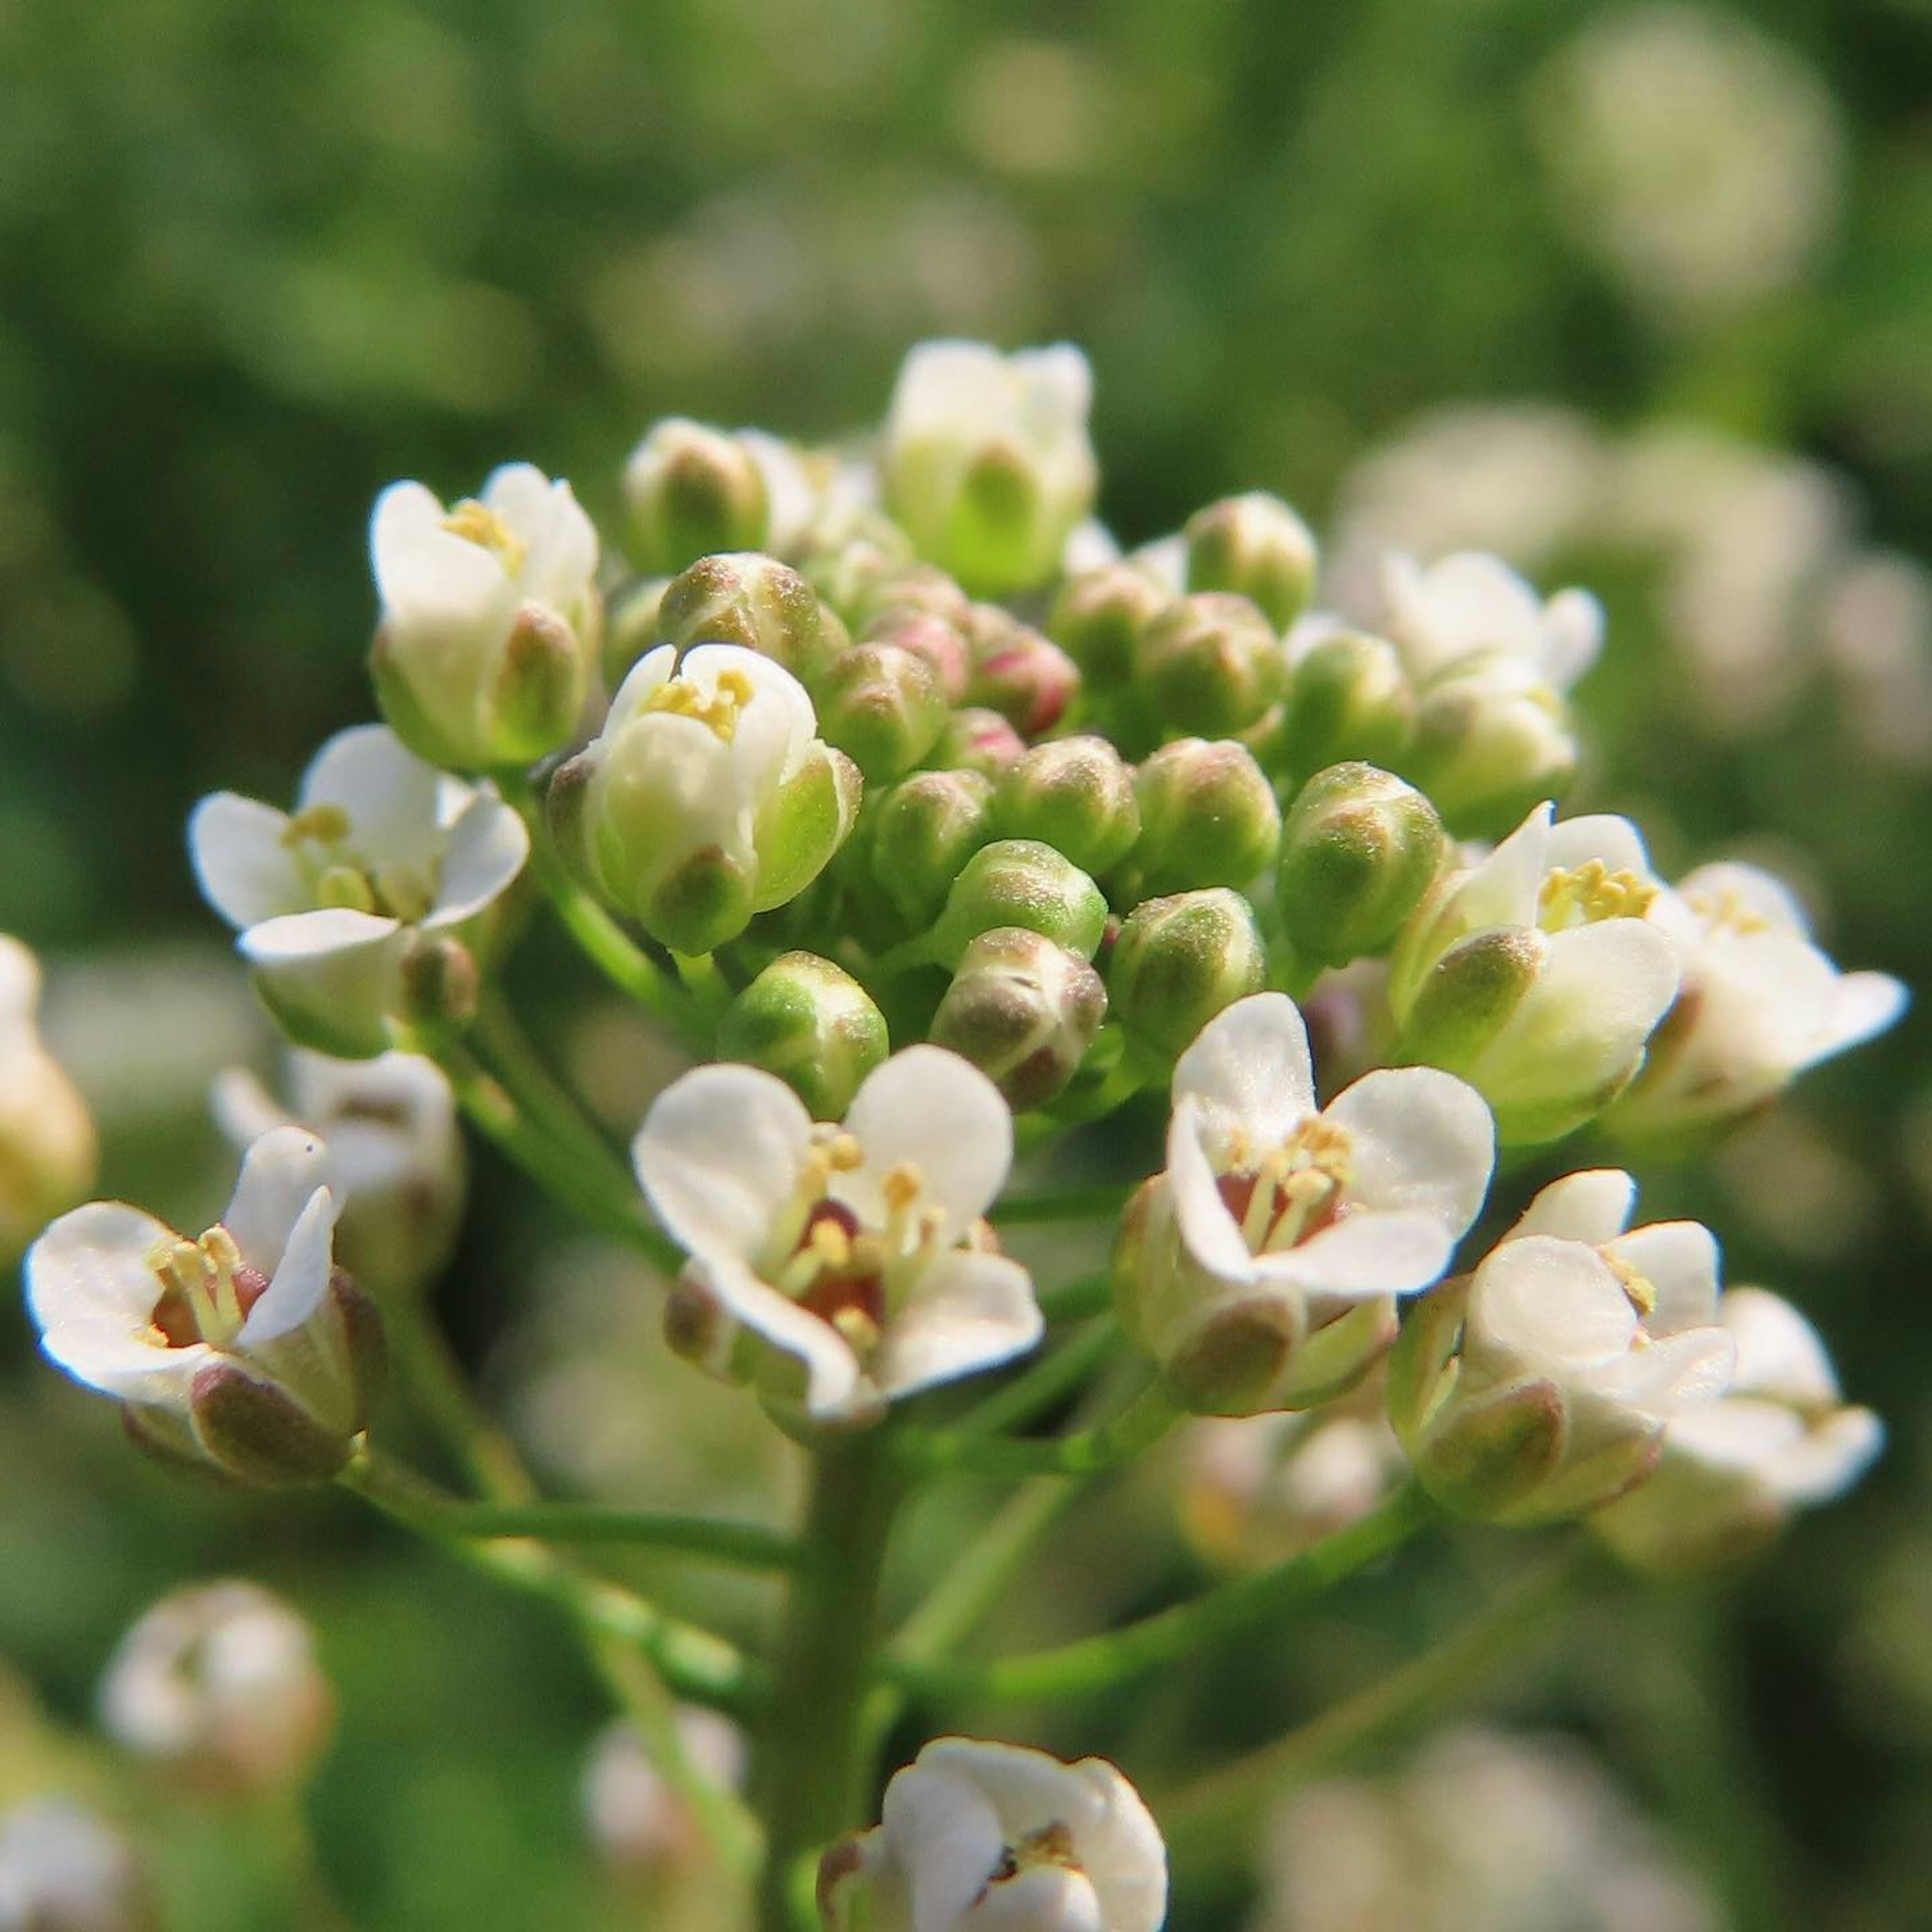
<point x="436" y="1380"/>
<point x="813" y="1766"/>
<point x="1070" y="1204"/>
<point x="709" y="990"/>
<point x="1075" y="1300"/>
<point x="504" y="1050"/>
<point x="1141" y="1424"/>
<point x="744" y="1546"/>
<point x="1042" y="1382"/>
<point x="1118" y="1657"/>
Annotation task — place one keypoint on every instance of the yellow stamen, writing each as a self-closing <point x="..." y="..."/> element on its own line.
<point x="1726" y="911"/>
<point x="901" y="1185"/>
<point x="1592" y="893"/>
<point x="1641" y="1292"/>
<point x="323" y="824"/>
<point x="731" y="693"/>
<point x="478" y="524"/>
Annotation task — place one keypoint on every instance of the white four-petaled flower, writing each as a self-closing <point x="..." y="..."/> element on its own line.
<point x="1471" y="605"/>
<point x="840" y="1264"/>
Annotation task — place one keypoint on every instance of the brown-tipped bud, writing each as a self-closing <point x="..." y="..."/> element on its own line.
<point x="812" y="1025"/>
<point x="1179" y="961"/>
<point x="976" y="739"/>
<point x="923" y="831"/>
<point x="937" y="640"/>
<point x="1208" y="816"/>
<point x="1020" y="882"/>
<point x="1210" y="664"/>
<point x="1076" y="794"/>
<point x="1018" y="673"/>
<point x="1349" y="699"/>
<point x="747" y="599"/>
<point x="440" y="985"/>
<point x="541" y="684"/>
<point x="1098" y="617"/>
<point x="1257" y="546"/>
<point x="690" y="491"/>
<point x="1024" y="1011"/>
<point x="883" y="707"/>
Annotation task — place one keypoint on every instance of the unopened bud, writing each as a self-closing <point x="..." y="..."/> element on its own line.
<point x="1097" y="619"/>
<point x="1210" y="664"/>
<point x="1019" y="674"/>
<point x="1256" y="546"/>
<point x="689" y="491"/>
<point x="921" y="587"/>
<point x="1208" y="816"/>
<point x="1491" y="740"/>
<point x="1470" y="994"/>
<point x="1348" y="699"/>
<point x="1179" y="961"/>
<point x="923" y="831"/>
<point x="810" y="1024"/>
<point x="750" y="599"/>
<point x="440" y="983"/>
<point x="883" y="707"/>
<point x="855" y="574"/>
<point x="1359" y="848"/>
<point x="541" y="686"/>
<point x="937" y="640"/>
<point x="1020" y="882"/>
<point x="1024" y="1011"/>
<point x="1074" y="794"/>
<point x="976" y="739"/>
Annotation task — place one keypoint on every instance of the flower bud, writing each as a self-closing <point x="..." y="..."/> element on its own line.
<point x="1208" y="816"/>
<point x="1076" y="794"/>
<point x="440" y="985"/>
<point x="1024" y="1011"/>
<point x="1359" y="848"/>
<point x="855" y="574"/>
<point x="923" y="831"/>
<point x="1020" y="882"/>
<point x="907" y="588"/>
<point x="1348" y="699"/>
<point x="630" y="625"/>
<point x="690" y="491"/>
<point x="976" y="739"/>
<point x="1490" y="740"/>
<point x="811" y="1024"/>
<point x="748" y="599"/>
<point x="1179" y="961"/>
<point x="47" y="1145"/>
<point x="1256" y="546"/>
<point x="64" y="1869"/>
<point x="938" y="640"/>
<point x="1097" y="619"/>
<point x="643" y="1825"/>
<point x="1210" y="664"/>
<point x="883" y="707"/>
<point x="1017" y="672"/>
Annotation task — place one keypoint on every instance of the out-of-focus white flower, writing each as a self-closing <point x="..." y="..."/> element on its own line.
<point x="644" y="1828"/>
<point x="1700" y="158"/>
<point x="1472" y="605"/>
<point x="1877" y="615"/>
<point x="394" y="1150"/>
<point x="1540" y="1387"/>
<point x="993" y="1837"/>
<point x="246" y="1347"/>
<point x="47" y="1148"/>
<point x="1261" y="1268"/>
<point x="490" y="618"/>
<point x="1732" y="1471"/>
<point x="1536" y="974"/>
<point x="1759" y="1003"/>
<point x="986" y="461"/>
<point x="845" y="1259"/>
<point x="382" y="853"/>
<point x="219" y="1684"/>
<point x="63" y="1870"/>
<point x="707" y="797"/>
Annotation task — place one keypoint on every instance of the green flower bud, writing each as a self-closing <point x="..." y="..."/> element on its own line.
<point x="923" y="831"/>
<point x="1491" y="741"/>
<point x="1256" y="546"/>
<point x="1208" y="817"/>
<point x="1017" y="672"/>
<point x="1358" y="850"/>
<point x="1178" y="960"/>
<point x="1020" y="882"/>
<point x="1024" y="1011"/>
<point x="936" y="639"/>
<point x="753" y="600"/>
<point x="1470" y="994"/>
<point x="1349" y="698"/>
<point x="690" y="491"/>
<point x="976" y="739"/>
<point x="1076" y="794"/>
<point x="1210" y="664"/>
<point x="883" y="707"/>
<point x="1098" y="617"/>
<point x="812" y="1025"/>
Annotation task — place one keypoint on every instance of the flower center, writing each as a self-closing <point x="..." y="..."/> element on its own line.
<point x="206" y="1291"/>
<point x="1051" y="1845"/>
<point x="478" y="524"/>
<point x="1726" y="911"/>
<point x="1592" y="891"/>
<point x="718" y="708"/>
<point x="321" y="836"/>
<point x="1295" y="1190"/>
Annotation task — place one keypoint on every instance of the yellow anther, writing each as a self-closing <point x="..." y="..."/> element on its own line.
<point x="1726" y="911"/>
<point x="831" y="1244"/>
<point x="718" y="710"/>
<point x="322" y="824"/>
<point x="843" y="1152"/>
<point x="858" y="1328"/>
<point x="1592" y="892"/>
<point x="901" y="1185"/>
<point x="478" y="524"/>
<point x="1640" y="1291"/>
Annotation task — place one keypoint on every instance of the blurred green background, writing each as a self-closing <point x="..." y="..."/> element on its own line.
<point x="256" y="261"/>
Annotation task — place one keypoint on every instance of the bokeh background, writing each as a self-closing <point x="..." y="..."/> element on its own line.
<point x="1638" y="296"/>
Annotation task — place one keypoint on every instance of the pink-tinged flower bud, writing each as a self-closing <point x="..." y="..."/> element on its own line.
<point x="1017" y="672"/>
<point x="1257" y="547"/>
<point x="976" y="739"/>
<point x="1024" y="1011"/>
<point x="1076" y="794"/>
<point x="746" y="599"/>
<point x="690" y="491"/>
<point x="938" y="641"/>
<point x="810" y="1024"/>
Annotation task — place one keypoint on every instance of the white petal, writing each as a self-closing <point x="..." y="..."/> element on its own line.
<point x="719" y="1154"/>
<point x="1679" y="1259"/>
<point x="546" y="516"/>
<point x="1123" y="1853"/>
<point x="1780" y="1355"/>
<point x="1613" y="841"/>
<point x="301" y="1278"/>
<point x="425" y="573"/>
<point x="1502" y="890"/>
<point x="279" y="1176"/>
<point x="832" y="1378"/>
<point x="1762" y="894"/>
<point x="1695" y="1367"/>
<point x="1594" y="1206"/>
<point x="1423" y="1141"/>
<point x="1546" y="1304"/>
<point x="1828" y="1460"/>
<point x="969" y="1311"/>
<point x="1249" y="1065"/>
<point x="332" y="977"/>
<point x="945" y="1836"/>
<point x="777" y="722"/>
<point x="487" y="849"/>
<point x="395" y="803"/>
<point x="242" y="859"/>
<point x="1207" y="1227"/>
<point x="1573" y="635"/>
<point x="1863" y="1005"/>
<point x="1039" y="1898"/>
<point x="244" y="1109"/>
<point x="649" y="674"/>
<point x="1366" y="1254"/>
<point x="933" y="1110"/>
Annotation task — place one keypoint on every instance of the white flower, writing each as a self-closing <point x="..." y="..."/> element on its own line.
<point x="1540" y="1387"/>
<point x="63" y="1870"/>
<point x="381" y="848"/>
<point x="245" y="1346"/>
<point x="842" y="1255"/>
<point x="490" y="617"/>
<point x="1536" y="973"/>
<point x="1470" y="605"/>
<point x="219" y="1682"/>
<point x="708" y="796"/>
<point x="1732" y="1471"/>
<point x="1760" y="1003"/>
<point x="986" y="461"/>
<point x="47" y="1147"/>
<point x="994" y="1837"/>
<point x="1260" y="1267"/>
<point x="394" y="1147"/>
<point x="637" y="1819"/>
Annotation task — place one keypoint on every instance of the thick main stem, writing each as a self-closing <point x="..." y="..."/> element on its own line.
<point x="812" y="1770"/>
